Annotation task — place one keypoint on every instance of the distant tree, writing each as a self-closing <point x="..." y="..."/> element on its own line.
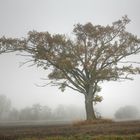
<point x="46" y="113"/>
<point x="60" y="113"/>
<point x="5" y="106"/>
<point x="127" y="112"/>
<point x="93" y="55"/>
<point x="13" y="115"/>
<point x="36" y="111"/>
<point x="26" y="114"/>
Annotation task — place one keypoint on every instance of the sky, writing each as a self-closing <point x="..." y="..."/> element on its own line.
<point x="17" y="17"/>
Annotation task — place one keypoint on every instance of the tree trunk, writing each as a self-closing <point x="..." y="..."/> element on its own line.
<point x="90" y="114"/>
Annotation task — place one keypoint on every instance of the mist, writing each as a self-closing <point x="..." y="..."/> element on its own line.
<point x="19" y="84"/>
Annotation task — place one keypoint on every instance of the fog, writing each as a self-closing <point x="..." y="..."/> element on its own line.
<point x="61" y="113"/>
<point x="19" y="83"/>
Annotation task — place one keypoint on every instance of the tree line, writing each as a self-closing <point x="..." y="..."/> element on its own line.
<point x="37" y="112"/>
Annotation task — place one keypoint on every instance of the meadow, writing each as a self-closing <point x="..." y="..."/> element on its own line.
<point x="80" y="130"/>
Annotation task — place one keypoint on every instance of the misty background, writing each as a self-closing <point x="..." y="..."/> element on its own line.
<point x="17" y="17"/>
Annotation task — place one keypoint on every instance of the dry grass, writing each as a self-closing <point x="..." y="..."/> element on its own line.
<point x="102" y="129"/>
<point x="83" y="137"/>
<point x="91" y="122"/>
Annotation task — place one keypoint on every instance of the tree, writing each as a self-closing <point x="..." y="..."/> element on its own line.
<point x="60" y="113"/>
<point x="5" y="106"/>
<point x="46" y="113"/>
<point x="127" y="112"/>
<point x="36" y="110"/>
<point x="26" y="114"/>
<point x="13" y="115"/>
<point x="92" y="55"/>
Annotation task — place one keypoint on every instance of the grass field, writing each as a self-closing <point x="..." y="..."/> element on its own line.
<point x="83" y="137"/>
<point x="96" y="130"/>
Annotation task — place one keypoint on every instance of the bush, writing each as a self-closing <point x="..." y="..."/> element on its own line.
<point x="127" y="112"/>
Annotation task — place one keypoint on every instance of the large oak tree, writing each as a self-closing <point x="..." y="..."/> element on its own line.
<point x="93" y="54"/>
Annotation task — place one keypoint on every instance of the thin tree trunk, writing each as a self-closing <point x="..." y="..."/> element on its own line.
<point x="90" y="113"/>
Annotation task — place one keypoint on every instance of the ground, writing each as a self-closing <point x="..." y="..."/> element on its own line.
<point x="37" y="131"/>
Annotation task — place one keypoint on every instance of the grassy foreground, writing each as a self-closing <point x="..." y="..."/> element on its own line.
<point x="103" y="129"/>
<point x="80" y="137"/>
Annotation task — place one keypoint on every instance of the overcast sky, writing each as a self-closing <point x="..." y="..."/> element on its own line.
<point x="17" y="17"/>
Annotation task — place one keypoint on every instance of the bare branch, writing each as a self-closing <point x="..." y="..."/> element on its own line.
<point x="129" y="62"/>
